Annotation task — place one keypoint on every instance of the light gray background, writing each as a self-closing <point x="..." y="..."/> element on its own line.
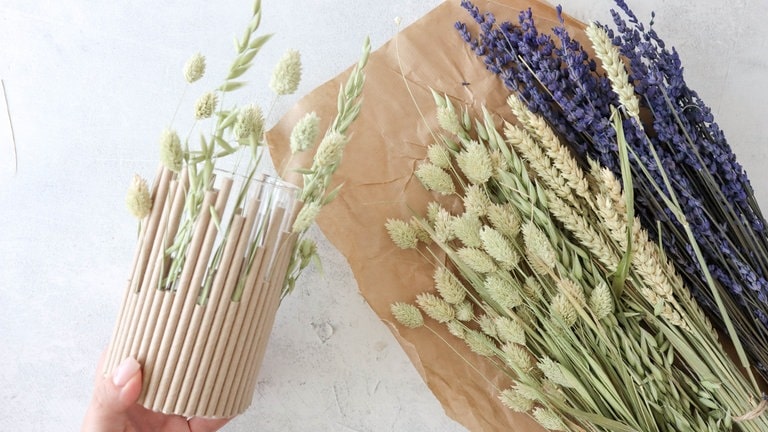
<point x="90" y="85"/>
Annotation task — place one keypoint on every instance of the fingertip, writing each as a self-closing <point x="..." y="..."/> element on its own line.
<point x="207" y="425"/>
<point x="130" y="391"/>
<point x="112" y="396"/>
<point x="126" y="371"/>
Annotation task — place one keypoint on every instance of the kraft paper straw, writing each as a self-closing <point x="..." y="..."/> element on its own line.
<point x="158" y="203"/>
<point x="253" y="288"/>
<point x="249" y="300"/>
<point x="177" y="321"/>
<point x="120" y="349"/>
<point x="157" y="318"/>
<point x="151" y="279"/>
<point x="139" y="244"/>
<point x="262" y="331"/>
<point x="168" y="296"/>
<point x="246" y="340"/>
<point x="212" y="308"/>
<point x="132" y="325"/>
<point x="228" y="280"/>
<point x="214" y="350"/>
<point x="146" y="235"/>
<point x="178" y="368"/>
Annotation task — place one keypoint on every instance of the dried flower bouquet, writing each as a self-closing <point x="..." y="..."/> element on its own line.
<point x="547" y="272"/>
<point x="669" y="130"/>
<point x="221" y="243"/>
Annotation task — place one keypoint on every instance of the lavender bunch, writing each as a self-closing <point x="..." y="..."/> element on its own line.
<point x="556" y="78"/>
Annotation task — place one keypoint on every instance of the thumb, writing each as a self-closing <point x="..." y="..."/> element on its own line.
<point x="112" y="396"/>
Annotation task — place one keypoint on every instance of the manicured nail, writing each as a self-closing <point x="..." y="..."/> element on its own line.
<point x="125" y="371"/>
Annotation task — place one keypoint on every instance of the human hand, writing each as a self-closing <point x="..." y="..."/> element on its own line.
<point x="113" y="407"/>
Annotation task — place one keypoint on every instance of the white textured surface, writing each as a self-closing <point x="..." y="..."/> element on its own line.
<point x="90" y="85"/>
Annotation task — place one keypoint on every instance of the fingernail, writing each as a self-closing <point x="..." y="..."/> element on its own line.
<point x="125" y="371"/>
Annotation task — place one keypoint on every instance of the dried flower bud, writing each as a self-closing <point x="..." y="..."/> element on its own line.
<point x="514" y="401"/>
<point x="464" y="311"/>
<point x="573" y="290"/>
<point x="498" y="161"/>
<point x="443" y="226"/>
<point x="499" y="248"/>
<point x="407" y="314"/>
<point x="538" y="247"/>
<point x="475" y="163"/>
<point x="480" y="343"/>
<point x="503" y="291"/>
<point x="435" y="179"/>
<point x="330" y="150"/>
<point x="435" y="307"/>
<point x="556" y="373"/>
<point x="138" y="199"/>
<point x="433" y="209"/>
<point x="505" y="219"/>
<point x="548" y="419"/>
<point x="456" y="328"/>
<point x="517" y="357"/>
<point x="477" y="260"/>
<point x="487" y="325"/>
<point x="206" y="105"/>
<point x="421" y="233"/>
<point x="306" y="216"/>
<point x="402" y="234"/>
<point x="449" y="287"/>
<point x="509" y="330"/>
<point x="467" y="229"/>
<point x="439" y="155"/>
<point x="287" y="74"/>
<point x="449" y="120"/>
<point x="563" y="309"/>
<point x="171" y="154"/>
<point x="601" y="301"/>
<point x="610" y="57"/>
<point x="532" y="288"/>
<point x="305" y="133"/>
<point x="529" y="392"/>
<point x="194" y="69"/>
<point x="307" y="249"/>
<point x="250" y="121"/>
<point x="476" y="201"/>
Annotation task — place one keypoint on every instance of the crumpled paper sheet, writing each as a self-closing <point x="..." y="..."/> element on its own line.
<point x="389" y="140"/>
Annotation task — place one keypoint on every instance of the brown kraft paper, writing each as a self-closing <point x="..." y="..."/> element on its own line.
<point x="388" y="141"/>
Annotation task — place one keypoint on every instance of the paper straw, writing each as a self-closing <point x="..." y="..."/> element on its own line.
<point x="262" y="330"/>
<point x="185" y="341"/>
<point x="149" y="292"/>
<point x="214" y="349"/>
<point x="139" y="244"/>
<point x="249" y="300"/>
<point x="177" y="321"/>
<point x="156" y="331"/>
<point x="216" y="302"/>
<point x="157" y="319"/>
<point x="128" y="304"/>
<point x="160" y="193"/>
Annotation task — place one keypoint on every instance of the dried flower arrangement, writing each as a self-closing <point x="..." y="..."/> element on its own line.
<point x="548" y="273"/>
<point x="679" y="138"/>
<point x="221" y="244"/>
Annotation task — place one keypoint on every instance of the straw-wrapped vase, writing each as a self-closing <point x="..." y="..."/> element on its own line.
<point x="201" y="338"/>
